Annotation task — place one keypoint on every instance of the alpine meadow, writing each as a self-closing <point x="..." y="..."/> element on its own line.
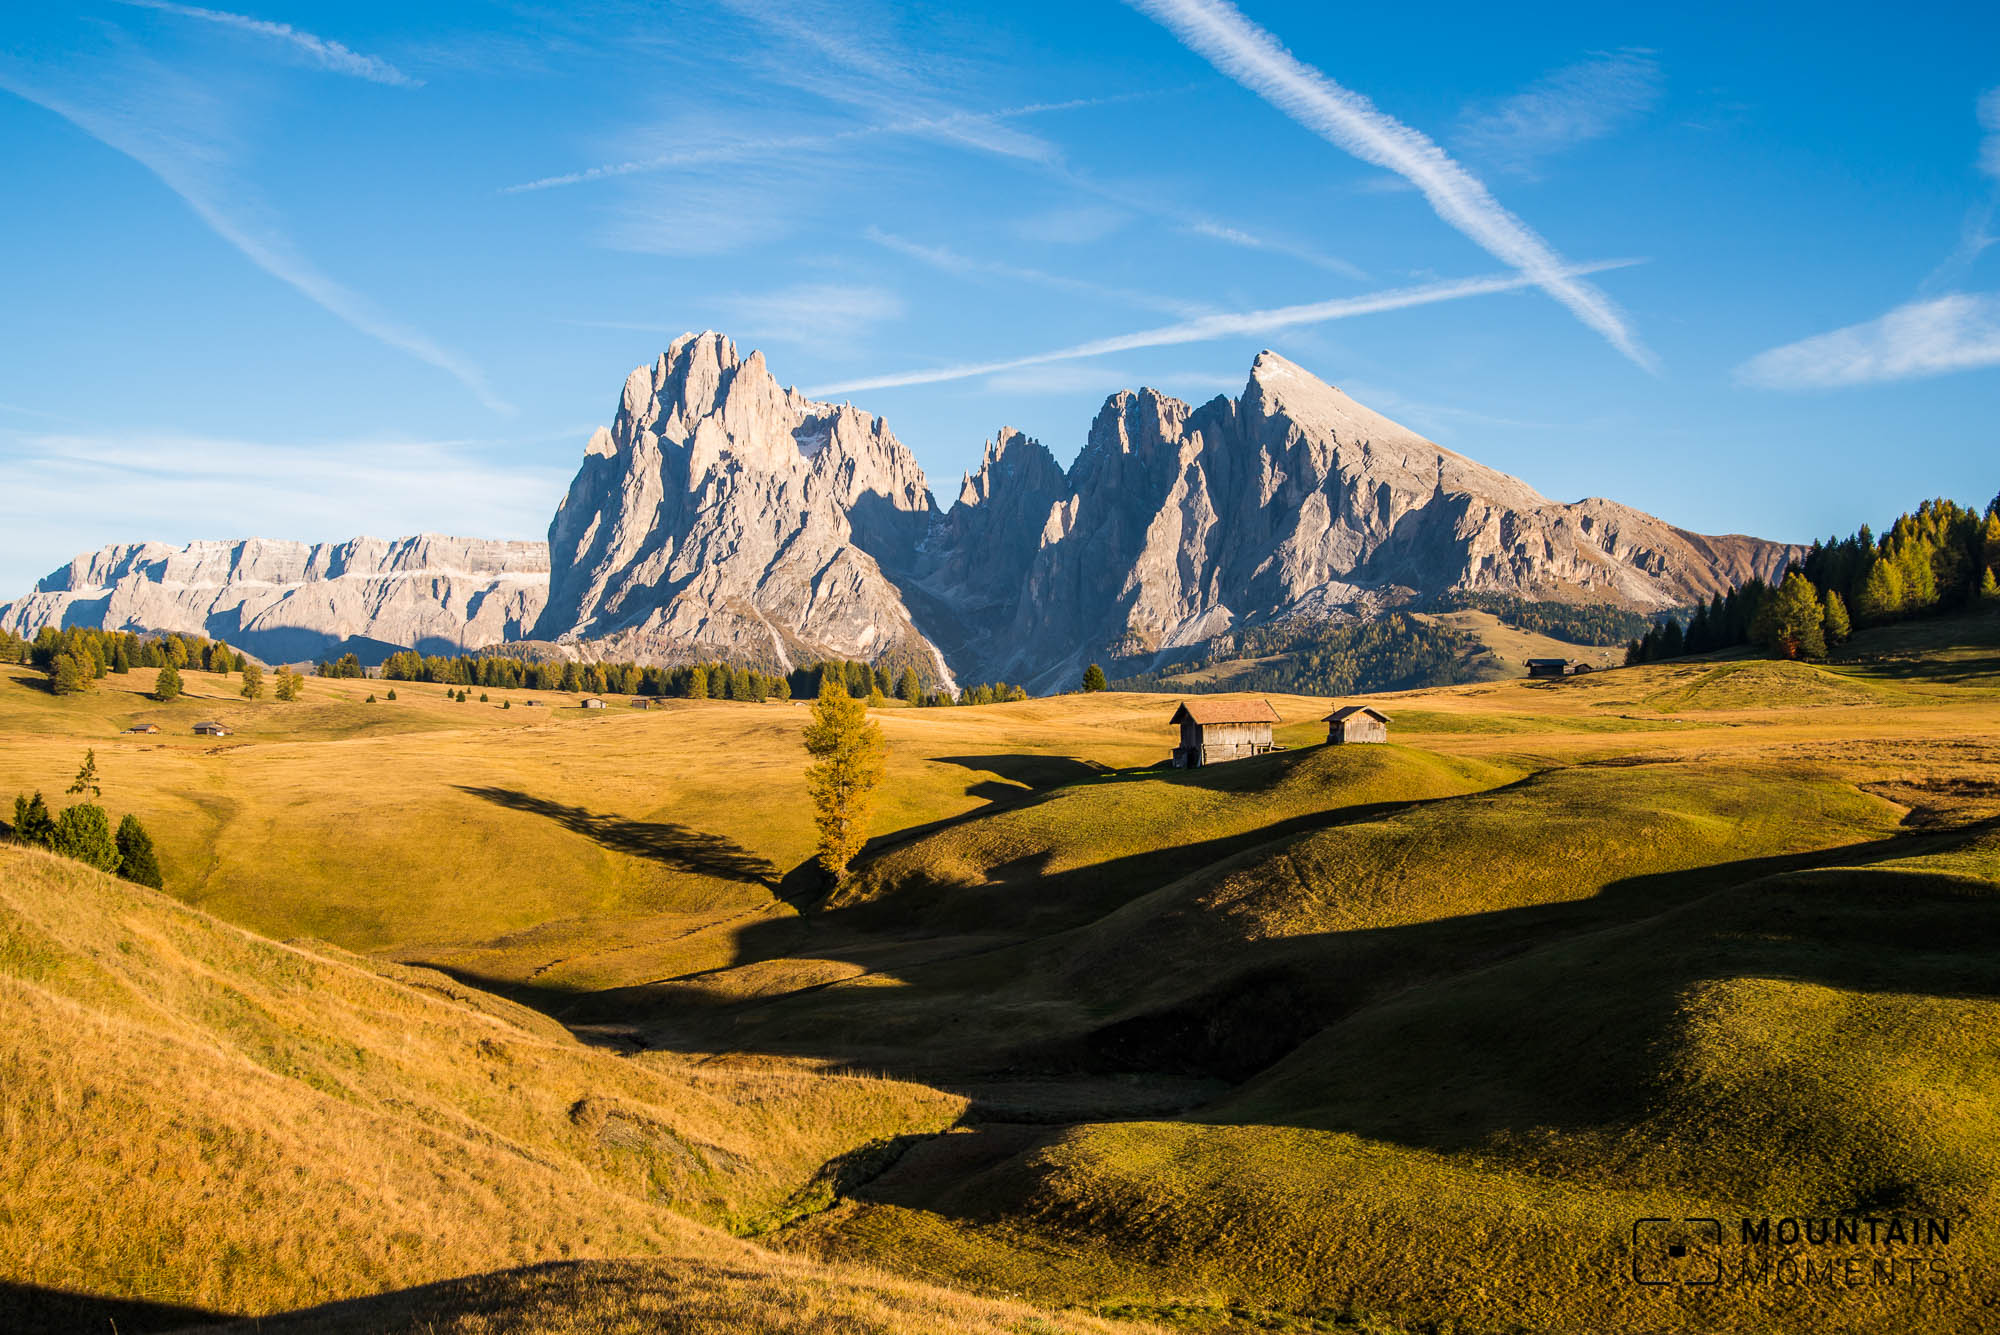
<point x="1241" y="856"/>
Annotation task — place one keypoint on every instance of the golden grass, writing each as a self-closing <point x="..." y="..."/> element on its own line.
<point x="1350" y="1038"/>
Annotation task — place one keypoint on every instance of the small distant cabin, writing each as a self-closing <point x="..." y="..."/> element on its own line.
<point x="590" y="704"/>
<point x="641" y="702"/>
<point x="1213" y="731"/>
<point x="210" y="730"/>
<point x="1556" y="667"/>
<point x="144" y="727"/>
<point x="1357" y="723"/>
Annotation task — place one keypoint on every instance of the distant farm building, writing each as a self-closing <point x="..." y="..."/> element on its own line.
<point x="591" y="704"/>
<point x="144" y="727"/>
<point x="641" y="702"/>
<point x="1357" y="723"/>
<point x="210" y="730"/>
<point x="1218" y="730"/>
<point x="1556" y="667"/>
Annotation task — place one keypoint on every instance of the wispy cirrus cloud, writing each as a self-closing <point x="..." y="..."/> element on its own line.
<point x="1218" y="32"/>
<point x="321" y="51"/>
<point x="174" y="130"/>
<point x="1236" y="236"/>
<point x="946" y="260"/>
<point x="777" y="146"/>
<point x="1941" y="332"/>
<point x="1956" y="332"/>
<point x="1225" y="325"/>
<point x="1559" y="111"/>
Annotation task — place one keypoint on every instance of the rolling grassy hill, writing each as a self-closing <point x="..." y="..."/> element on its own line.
<point x="201" y="1120"/>
<point x="1401" y="1038"/>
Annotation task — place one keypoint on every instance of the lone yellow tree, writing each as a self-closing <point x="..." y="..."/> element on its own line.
<point x="847" y="764"/>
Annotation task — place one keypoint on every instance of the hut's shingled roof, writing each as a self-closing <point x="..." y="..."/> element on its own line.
<point x="1206" y="712"/>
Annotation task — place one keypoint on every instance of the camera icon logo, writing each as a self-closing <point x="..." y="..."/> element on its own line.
<point x="1677" y="1251"/>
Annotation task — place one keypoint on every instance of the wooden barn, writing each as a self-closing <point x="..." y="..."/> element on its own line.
<point x="1357" y="723"/>
<point x="641" y="702"/>
<point x="1216" y="730"/>
<point x="144" y="727"/>
<point x="211" y="730"/>
<point x="592" y="703"/>
<point x="1556" y="667"/>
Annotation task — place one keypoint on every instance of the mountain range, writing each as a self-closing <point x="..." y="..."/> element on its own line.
<point x="722" y="516"/>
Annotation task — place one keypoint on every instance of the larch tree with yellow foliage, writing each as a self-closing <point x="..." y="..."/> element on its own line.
<point x="847" y="759"/>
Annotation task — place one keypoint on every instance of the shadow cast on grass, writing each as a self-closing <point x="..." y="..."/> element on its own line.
<point x="665" y="842"/>
<point x="30" y="1307"/>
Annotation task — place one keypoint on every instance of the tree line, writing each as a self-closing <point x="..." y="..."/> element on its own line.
<point x="1390" y="653"/>
<point x="83" y="830"/>
<point x="1579" y="623"/>
<point x="77" y="658"/>
<point x="874" y="682"/>
<point x="1941" y="557"/>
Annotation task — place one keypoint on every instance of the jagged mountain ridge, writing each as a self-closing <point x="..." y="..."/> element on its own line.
<point x="286" y="601"/>
<point x="721" y="516"/>
<point x="1176" y="524"/>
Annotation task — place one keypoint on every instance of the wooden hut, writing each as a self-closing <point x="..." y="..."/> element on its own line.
<point x="211" y="730"/>
<point x="1556" y="667"/>
<point x="591" y="704"/>
<point x="642" y="702"/>
<point x="144" y="727"/>
<point x="1218" y="730"/>
<point x="1357" y="723"/>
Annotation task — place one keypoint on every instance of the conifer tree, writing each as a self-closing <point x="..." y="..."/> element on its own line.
<point x="1790" y="624"/>
<point x="847" y="762"/>
<point x="121" y="662"/>
<point x="291" y="685"/>
<point x="1833" y="618"/>
<point x="86" y="777"/>
<point x="1989" y="588"/>
<point x="70" y="675"/>
<point x="253" y="682"/>
<point x="1881" y="593"/>
<point x="1093" y="678"/>
<point x="698" y="683"/>
<point x="32" y="822"/>
<point x="908" y="688"/>
<point x="83" y="832"/>
<point x="167" y="685"/>
<point x="137" y="861"/>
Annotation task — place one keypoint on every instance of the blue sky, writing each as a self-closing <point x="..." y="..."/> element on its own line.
<point x="313" y="270"/>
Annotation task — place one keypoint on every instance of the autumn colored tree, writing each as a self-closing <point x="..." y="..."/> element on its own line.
<point x="1790" y="624"/>
<point x="167" y="685"/>
<point x="847" y="760"/>
<point x="1833" y="618"/>
<point x="253" y="682"/>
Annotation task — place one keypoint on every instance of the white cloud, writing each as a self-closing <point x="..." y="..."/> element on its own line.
<point x="1218" y="32"/>
<point x="327" y="54"/>
<point x="159" y="124"/>
<point x="728" y="151"/>
<point x="1071" y="226"/>
<point x="1233" y="324"/>
<point x="1957" y="332"/>
<point x="1572" y="106"/>
<point x="827" y="316"/>
<point x="71" y="492"/>
<point x="946" y="260"/>
<point x="1236" y="236"/>
<point x="1989" y="121"/>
